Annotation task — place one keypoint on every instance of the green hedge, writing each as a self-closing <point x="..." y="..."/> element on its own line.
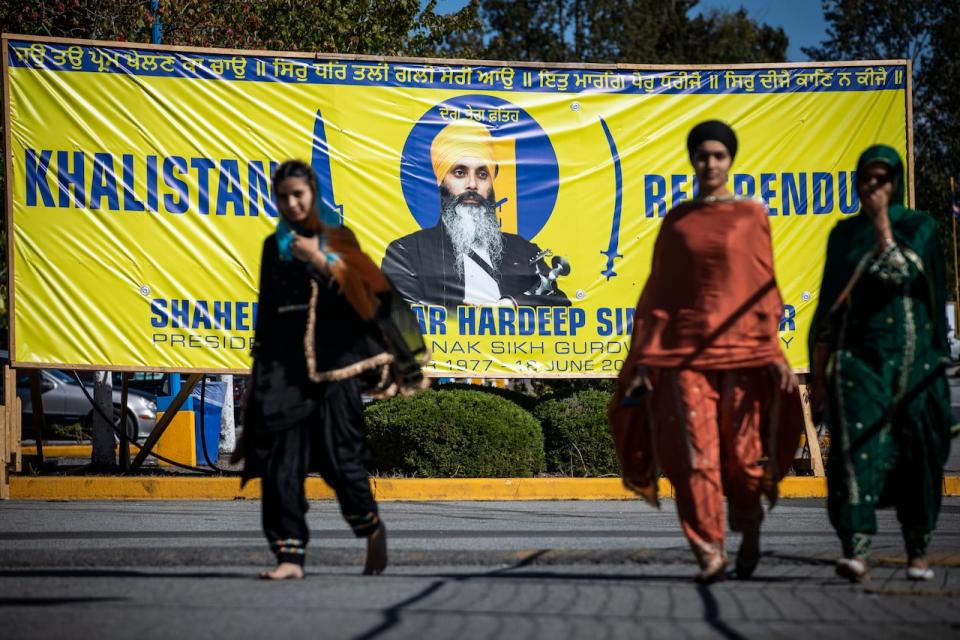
<point x="462" y="433"/>
<point x="526" y="402"/>
<point x="553" y="389"/>
<point x="577" y="437"/>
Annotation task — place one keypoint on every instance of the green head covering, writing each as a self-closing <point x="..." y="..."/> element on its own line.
<point x="888" y="156"/>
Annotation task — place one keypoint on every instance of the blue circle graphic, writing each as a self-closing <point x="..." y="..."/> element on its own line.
<point x="538" y="173"/>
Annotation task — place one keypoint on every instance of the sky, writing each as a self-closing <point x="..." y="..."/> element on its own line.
<point x="801" y="19"/>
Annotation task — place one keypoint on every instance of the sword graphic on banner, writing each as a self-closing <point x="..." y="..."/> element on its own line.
<point x="613" y="248"/>
<point x="331" y="213"/>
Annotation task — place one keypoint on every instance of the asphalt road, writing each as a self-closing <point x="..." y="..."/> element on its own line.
<point x="466" y="570"/>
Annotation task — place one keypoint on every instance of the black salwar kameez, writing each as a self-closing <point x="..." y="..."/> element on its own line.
<point x="304" y="413"/>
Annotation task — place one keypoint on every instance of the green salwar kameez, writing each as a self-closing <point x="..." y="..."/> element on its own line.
<point x="881" y="328"/>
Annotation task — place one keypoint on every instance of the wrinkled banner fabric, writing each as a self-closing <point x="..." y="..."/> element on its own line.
<point x="140" y="191"/>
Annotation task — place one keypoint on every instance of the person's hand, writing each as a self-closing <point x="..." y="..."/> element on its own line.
<point x="784" y="377"/>
<point x="875" y="203"/>
<point x="875" y="199"/>
<point x="308" y="250"/>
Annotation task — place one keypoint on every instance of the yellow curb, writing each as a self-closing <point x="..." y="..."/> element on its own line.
<point x="505" y="489"/>
<point x="66" y="450"/>
<point x="951" y="485"/>
<point x="199" y="488"/>
<point x="133" y="488"/>
<point x="408" y="488"/>
<point x="384" y="489"/>
<point x="803" y="487"/>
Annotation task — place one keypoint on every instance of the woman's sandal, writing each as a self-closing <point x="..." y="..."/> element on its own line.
<point x="920" y="573"/>
<point x="853" y="569"/>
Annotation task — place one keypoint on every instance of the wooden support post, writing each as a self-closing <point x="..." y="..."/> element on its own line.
<point x="9" y="431"/>
<point x="36" y="400"/>
<point x="5" y="460"/>
<point x="12" y="415"/>
<point x="124" y="439"/>
<point x="4" y="457"/>
<point x="165" y="421"/>
<point x="15" y="418"/>
<point x="810" y="433"/>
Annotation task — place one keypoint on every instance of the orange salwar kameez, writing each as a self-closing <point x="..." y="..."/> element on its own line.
<point x="706" y="326"/>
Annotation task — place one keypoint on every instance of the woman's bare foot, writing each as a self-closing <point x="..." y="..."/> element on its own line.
<point x="376" y="552"/>
<point x="284" y="571"/>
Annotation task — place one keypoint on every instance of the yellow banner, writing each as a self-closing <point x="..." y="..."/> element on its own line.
<point x="140" y="193"/>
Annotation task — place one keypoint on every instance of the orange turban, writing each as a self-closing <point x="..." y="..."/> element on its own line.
<point x="462" y="139"/>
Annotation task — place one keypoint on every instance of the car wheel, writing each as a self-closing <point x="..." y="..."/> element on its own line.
<point x="129" y="425"/>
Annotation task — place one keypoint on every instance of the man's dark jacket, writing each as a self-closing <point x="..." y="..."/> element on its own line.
<point x="421" y="268"/>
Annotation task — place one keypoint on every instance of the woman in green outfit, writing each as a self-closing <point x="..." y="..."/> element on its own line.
<point x="879" y="344"/>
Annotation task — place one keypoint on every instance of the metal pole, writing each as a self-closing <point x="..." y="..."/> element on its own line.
<point x="36" y="402"/>
<point x="156" y="33"/>
<point x="124" y="436"/>
<point x="956" y="276"/>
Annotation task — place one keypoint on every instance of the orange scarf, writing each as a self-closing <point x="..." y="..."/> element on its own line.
<point x="358" y="277"/>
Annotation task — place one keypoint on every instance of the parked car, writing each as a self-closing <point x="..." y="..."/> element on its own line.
<point x="65" y="403"/>
<point x="149" y="382"/>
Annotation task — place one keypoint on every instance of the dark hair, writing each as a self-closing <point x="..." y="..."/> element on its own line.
<point x="712" y="130"/>
<point x="299" y="169"/>
<point x="295" y="169"/>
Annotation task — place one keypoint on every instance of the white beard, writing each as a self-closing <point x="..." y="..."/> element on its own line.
<point x="473" y="226"/>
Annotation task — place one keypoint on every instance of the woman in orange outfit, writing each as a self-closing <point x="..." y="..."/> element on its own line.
<point x="703" y="392"/>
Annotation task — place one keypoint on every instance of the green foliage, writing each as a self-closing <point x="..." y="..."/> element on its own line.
<point x="638" y="31"/>
<point x="525" y="30"/>
<point x="730" y="38"/>
<point x="876" y="29"/>
<point x="524" y="400"/>
<point x="74" y="431"/>
<point x="576" y="434"/>
<point x="123" y="20"/>
<point x="375" y="27"/>
<point x="453" y="433"/>
<point x="553" y="388"/>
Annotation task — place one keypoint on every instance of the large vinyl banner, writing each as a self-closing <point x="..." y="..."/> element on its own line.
<point x="140" y="192"/>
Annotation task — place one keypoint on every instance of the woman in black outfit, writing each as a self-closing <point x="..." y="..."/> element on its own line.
<point x="315" y="344"/>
